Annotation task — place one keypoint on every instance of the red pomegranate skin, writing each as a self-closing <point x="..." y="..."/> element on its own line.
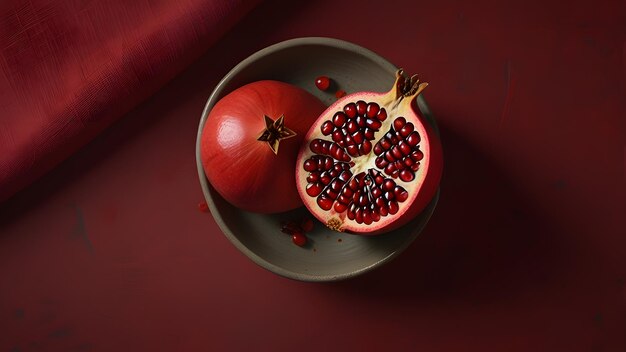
<point x="242" y="169"/>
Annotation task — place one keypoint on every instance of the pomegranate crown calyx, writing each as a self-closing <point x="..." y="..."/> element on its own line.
<point x="274" y="132"/>
<point x="408" y="87"/>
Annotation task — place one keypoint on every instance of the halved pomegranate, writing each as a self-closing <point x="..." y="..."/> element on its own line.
<point x="371" y="162"/>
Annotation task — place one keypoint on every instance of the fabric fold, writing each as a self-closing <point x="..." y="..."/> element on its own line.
<point x="68" y="69"/>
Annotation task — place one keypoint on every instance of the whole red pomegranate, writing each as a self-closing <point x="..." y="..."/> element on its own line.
<point x="240" y="144"/>
<point x="371" y="162"/>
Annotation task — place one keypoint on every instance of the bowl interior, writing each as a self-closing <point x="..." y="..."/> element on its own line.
<point x="328" y="255"/>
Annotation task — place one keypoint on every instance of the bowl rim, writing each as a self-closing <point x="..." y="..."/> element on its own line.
<point x="206" y="189"/>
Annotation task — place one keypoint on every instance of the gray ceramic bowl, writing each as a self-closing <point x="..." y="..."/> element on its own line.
<point x="329" y="255"/>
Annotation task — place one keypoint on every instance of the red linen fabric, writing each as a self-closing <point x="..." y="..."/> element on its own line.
<point x="68" y="69"/>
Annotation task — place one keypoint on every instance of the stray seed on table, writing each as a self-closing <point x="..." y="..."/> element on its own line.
<point x="203" y="207"/>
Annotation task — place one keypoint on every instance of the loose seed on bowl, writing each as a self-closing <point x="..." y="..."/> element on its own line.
<point x="322" y="83"/>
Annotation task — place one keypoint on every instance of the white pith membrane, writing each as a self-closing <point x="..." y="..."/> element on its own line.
<point x="372" y="176"/>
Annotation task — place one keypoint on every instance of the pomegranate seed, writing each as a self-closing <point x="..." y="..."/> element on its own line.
<point x="340" y="93"/>
<point x="384" y="211"/>
<point x="345" y="176"/>
<point x="353" y="150"/>
<point x="417" y="155"/>
<point x="357" y="137"/>
<point x="389" y="185"/>
<point x="404" y="148"/>
<point x="350" y="110"/>
<point x="340" y="207"/>
<point x="352" y="126"/>
<point x="382" y="115"/>
<point x="325" y="146"/>
<point x="361" y="178"/>
<point x="407" y="176"/>
<point x="328" y="163"/>
<point x="333" y="150"/>
<point x="356" y="196"/>
<point x="367" y="218"/>
<point x="372" y="109"/>
<point x="314" y="177"/>
<point x="327" y="128"/>
<point x="407" y="129"/>
<point x="401" y="194"/>
<point x="310" y="165"/>
<point x="313" y="189"/>
<point x="322" y="83"/>
<point x="395" y="151"/>
<point x="325" y="202"/>
<point x="339" y="119"/>
<point x="413" y="139"/>
<point x="360" y="107"/>
<point x="366" y="147"/>
<point x="399" y="123"/>
<point x="378" y="149"/>
<point x="337" y="136"/>
<point x="374" y="124"/>
<point x="299" y="239"/>
<point x="385" y="143"/>
<point x="316" y="146"/>
<point x="361" y="121"/>
<point x="358" y="215"/>
<point x="203" y="207"/>
<point x="393" y="207"/>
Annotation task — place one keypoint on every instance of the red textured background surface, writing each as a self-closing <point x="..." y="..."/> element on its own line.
<point x="68" y="69"/>
<point x="526" y="251"/>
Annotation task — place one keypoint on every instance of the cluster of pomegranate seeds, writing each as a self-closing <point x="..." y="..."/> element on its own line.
<point x="354" y="127"/>
<point x="372" y="193"/>
<point x="398" y="151"/>
<point x="370" y="196"/>
<point x="297" y="230"/>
